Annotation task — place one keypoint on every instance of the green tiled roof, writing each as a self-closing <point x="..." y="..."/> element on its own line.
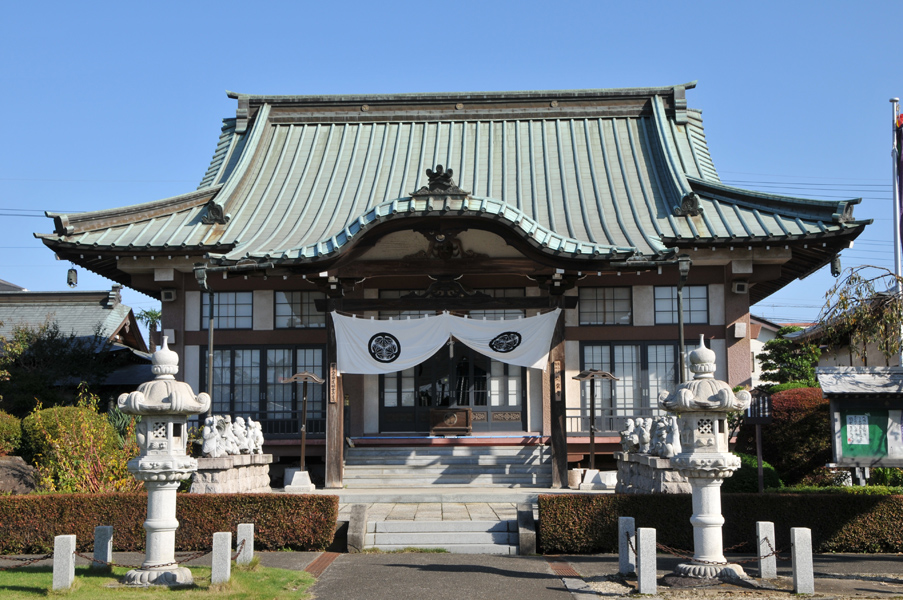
<point x="585" y="174"/>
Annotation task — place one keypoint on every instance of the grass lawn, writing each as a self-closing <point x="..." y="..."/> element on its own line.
<point x="247" y="583"/>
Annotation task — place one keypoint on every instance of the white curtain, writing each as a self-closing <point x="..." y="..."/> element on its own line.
<point x="378" y="346"/>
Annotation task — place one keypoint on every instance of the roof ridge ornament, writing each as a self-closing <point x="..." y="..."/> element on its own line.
<point x="440" y="183"/>
<point x="689" y="206"/>
<point x="215" y="215"/>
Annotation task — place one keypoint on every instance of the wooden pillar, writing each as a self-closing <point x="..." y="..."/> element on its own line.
<point x="335" y="417"/>
<point x="557" y="407"/>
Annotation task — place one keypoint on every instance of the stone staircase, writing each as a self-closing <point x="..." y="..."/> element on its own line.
<point x="459" y="537"/>
<point x="423" y="466"/>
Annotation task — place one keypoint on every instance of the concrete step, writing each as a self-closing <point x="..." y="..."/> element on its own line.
<point x="448" y="451"/>
<point x="460" y="537"/>
<point x="457" y="548"/>
<point x="444" y="460"/>
<point x="419" y="482"/>
<point x="351" y="470"/>
<point x="442" y="526"/>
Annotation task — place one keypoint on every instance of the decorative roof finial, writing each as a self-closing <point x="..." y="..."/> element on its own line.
<point x="440" y="183"/>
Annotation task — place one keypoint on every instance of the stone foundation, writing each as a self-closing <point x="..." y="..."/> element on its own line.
<point x="648" y="474"/>
<point x="238" y="474"/>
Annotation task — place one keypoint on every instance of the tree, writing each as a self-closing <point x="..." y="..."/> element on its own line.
<point x="858" y="314"/>
<point x="785" y="361"/>
<point x="43" y="364"/>
<point x="151" y="318"/>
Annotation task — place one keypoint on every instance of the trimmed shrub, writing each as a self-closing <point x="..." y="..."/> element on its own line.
<point x="848" y="522"/>
<point x="76" y="449"/>
<point x="798" y="441"/>
<point x="10" y="433"/>
<point x="28" y="524"/>
<point x="746" y="478"/>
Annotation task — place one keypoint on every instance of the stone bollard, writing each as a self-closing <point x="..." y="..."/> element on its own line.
<point x="221" y="565"/>
<point x="647" y="567"/>
<point x="357" y="528"/>
<point x="245" y="541"/>
<point x="103" y="547"/>
<point x="63" y="562"/>
<point x="801" y="559"/>
<point x="768" y="566"/>
<point x="526" y="529"/>
<point x="626" y="538"/>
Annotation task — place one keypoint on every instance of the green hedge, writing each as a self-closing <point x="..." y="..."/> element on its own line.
<point x="585" y="524"/>
<point x="28" y="524"/>
<point x="10" y="433"/>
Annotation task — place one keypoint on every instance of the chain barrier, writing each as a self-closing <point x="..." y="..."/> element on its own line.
<point x="685" y="554"/>
<point x="183" y="559"/>
<point x="25" y="561"/>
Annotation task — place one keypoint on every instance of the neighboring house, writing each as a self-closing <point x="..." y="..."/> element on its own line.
<point x="843" y="355"/>
<point x="6" y="286"/>
<point x="579" y="200"/>
<point x="84" y="313"/>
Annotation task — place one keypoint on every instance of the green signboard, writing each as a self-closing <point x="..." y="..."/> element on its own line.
<point x="863" y="433"/>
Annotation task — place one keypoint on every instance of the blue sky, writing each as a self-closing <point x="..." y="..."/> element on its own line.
<point x="113" y="103"/>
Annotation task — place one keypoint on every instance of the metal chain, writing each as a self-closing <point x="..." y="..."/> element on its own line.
<point x="685" y="554"/>
<point x="25" y="561"/>
<point x="184" y="559"/>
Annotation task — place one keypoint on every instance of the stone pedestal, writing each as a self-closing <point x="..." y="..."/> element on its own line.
<point x="648" y="474"/>
<point x="233" y="474"/>
<point x="298" y="481"/>
<point x="159" y="566"/>
<point x="594" y="479"/>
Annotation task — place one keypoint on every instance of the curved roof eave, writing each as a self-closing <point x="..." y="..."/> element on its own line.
<point x="531" y="231"/>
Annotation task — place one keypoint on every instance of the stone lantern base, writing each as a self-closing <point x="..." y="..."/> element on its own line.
<point x="171" y="576"/>
<point x="703" y="571"/>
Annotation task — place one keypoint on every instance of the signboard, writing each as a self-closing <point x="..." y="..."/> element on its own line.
<point x="868" y="437"/>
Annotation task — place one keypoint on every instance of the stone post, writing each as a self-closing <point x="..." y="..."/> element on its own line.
<point x="63" y="562"/>
<point x="768" y="566"/>
<point x="626" y="537"/>
<point x="103" y="547"/>
<point x="245" y="539"/>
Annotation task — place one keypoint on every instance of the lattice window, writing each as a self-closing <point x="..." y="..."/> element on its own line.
<point x="705" y="426"/>
<point x="159" y="431"/>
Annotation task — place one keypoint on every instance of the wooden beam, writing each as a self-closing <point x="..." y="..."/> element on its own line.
<point x="558" y="404"/>
<point x="437" y="304"/>
<point x="377" y="268"/>
<point x="335" y="419"/>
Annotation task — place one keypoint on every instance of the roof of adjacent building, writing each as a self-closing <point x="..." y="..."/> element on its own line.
<point x="584" y="174"/>
<point x="79" y="313"/>
<point x="861" y="381"/>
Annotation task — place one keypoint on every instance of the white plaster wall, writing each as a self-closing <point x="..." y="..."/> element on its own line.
<point x="720" y="349"/>
<point x="191" y="367"/>
<point x="716" y="304"/>
<point x="371" y="404"/>
<point x="534" y="399"/>
<point x="571" y="369"/>
<point x="192" y="311"/>
<point x="643" y="305"/>
<point x="263" y="317"/>
<point x="571" y="315"/>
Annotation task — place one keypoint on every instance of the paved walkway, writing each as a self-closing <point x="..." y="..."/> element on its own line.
<point x="487" y="577"/>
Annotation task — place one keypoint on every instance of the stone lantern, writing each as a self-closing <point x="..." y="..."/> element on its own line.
<point x="702" y="406"/>
<point x="164" y="405"/>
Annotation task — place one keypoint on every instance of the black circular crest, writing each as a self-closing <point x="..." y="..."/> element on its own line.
<point x="505" y="342"/>
<point x="384" y="347"/>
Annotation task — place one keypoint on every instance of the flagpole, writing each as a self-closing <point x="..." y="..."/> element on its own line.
<point x="896" y="206"/>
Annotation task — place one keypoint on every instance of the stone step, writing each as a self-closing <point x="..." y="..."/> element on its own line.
<point x="352" y="470"/>
<point x="459" y="537"/>
<point x="492" y="480"/>
<point x="442" y="526"/>
<point x="444" y="460"/>
<point x="449" y="451"/>
<point x="456" y="548"/>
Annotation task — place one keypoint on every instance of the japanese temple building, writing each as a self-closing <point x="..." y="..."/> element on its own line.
<point x="580" y="200"/>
